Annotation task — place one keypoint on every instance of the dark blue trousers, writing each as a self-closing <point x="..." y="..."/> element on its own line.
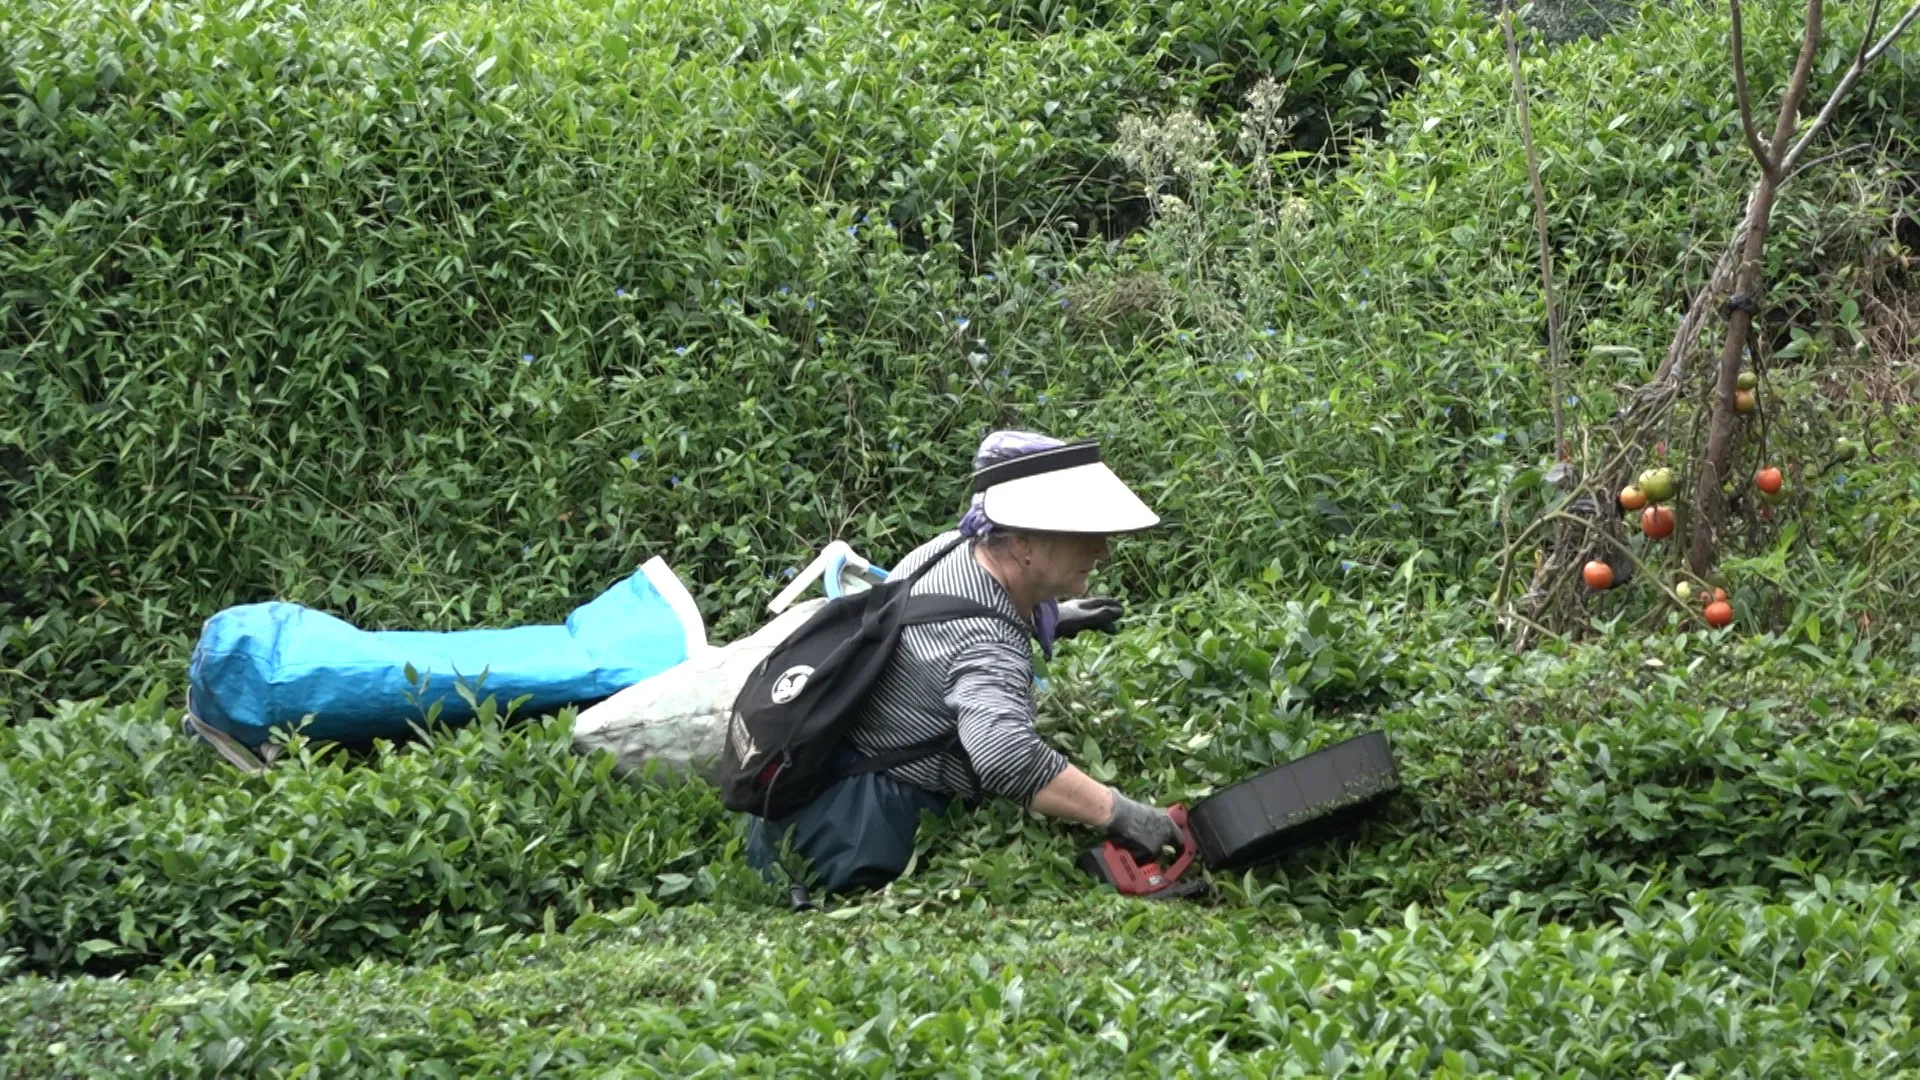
<point x="858" y="834"/>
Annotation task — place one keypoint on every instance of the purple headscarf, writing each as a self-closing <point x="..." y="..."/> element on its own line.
<point x="999" y="447"/>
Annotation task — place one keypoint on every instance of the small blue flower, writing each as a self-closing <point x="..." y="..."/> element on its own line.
<point x="1363" y="305"/>
<point x="1040" y="683"/>
<point x="787" y="573"/>
<point x="1268" y="332"/>
<point x="1326" y="406"/>
<point x="819" y="339"/>
<point x="865" y="218"/>
<point x="526" y="358"/>
<point x="785" y="289"/>
<point x="1006" y="373"/>
<point x="1499" y="437"/>
<point x="1043" y="399"/>
<point x="894" y="446"/>
<point x="673" y="481"/>
<point x="1347" y="566"/>
<point x="1397" y="507"/>
<point x="1183" y="336"/>
<point x="1446" y="410"/>
<point x="1065" y="303"/>
<point x="1299" y="410"/>
<point x="1240" y="376"/>
<point x="620" y="292"/>
<point x="991" y="277"/>
<point x="961" y="322"/>
<point x="633" y="455"/>
<point x="525" y="550"/>
<point x="715" y="283"/>
<point x="1248" y="354"/>
<point x="679" y="350"/>
<point x="1573" y="399"/>
<point x="853" y="230"/>
<point x="1839" y="479"/>
<point x="809" y="303"/>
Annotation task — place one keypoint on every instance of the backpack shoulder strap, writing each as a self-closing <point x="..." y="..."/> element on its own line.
<point x="912" y="752"/>
<point x="938" y="556"/>
<point x="945" y="607"/>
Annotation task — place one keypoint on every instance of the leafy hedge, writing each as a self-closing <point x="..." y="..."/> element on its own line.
<point x="414" y="300"/>
<point x="1562" y="781"/>
<point x="1819" y="984"/>
<point x="449" y="317"/>
<point x="384" y="304"/>
<point x="131" y="845"/>
<point x="1767" y="783"/>
<point x="1342" y="63"/>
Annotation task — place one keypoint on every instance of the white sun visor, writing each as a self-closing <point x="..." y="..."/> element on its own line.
<point x="1067" y="490"/>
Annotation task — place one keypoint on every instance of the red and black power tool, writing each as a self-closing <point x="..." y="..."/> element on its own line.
<point x="1320" y="796"/>
<point x="1114" y="864"/>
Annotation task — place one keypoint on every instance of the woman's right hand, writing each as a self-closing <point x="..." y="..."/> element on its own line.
<point x="1145" y="830"/>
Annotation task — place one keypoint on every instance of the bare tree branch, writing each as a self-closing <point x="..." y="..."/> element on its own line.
<point x="1860" y="62"/>
<point x="1885" y="43"/>
<point x="1555" y="349"/>
<point x="1797" y="83"/>
<point x="1825" y="159"/>
<point x="1762" y="153"/>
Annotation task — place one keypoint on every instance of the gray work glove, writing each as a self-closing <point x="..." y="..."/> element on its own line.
<point x="1143" y="830"/>
<point x="1095" y="613"/>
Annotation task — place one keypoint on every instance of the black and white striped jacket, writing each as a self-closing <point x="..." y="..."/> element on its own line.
<point x="973" y="674"/>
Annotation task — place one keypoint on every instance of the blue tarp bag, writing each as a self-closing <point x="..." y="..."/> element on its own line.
<point x="259" y="668"/>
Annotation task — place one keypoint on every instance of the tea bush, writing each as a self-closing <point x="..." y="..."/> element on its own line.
<point x="417" y="300"/>
<point x="572" y="226"/>
<point x="450" y="315"/>
<point x="1342" y="63"/>
<point x="1562" y="779"/>
<point x="404" y="314"/>
<point x="129" y="845"/>
<point x="1816" y="984"/>
<point x="1760" y="781"/>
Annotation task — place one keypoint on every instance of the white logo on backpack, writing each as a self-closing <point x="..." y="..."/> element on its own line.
<point x="790" y="683"/>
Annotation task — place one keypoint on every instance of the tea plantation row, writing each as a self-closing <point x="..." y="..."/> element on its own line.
<point x="1720" y="983"/>
<point x="1699" y="761"/>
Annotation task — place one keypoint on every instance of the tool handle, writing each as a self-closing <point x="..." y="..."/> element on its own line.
<point x="1136" y="878"/>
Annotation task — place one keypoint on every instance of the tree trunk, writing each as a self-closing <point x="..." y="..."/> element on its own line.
<point x="1709" y="504"/>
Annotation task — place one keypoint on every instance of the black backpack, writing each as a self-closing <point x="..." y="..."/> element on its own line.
<point x="788" y="723"/>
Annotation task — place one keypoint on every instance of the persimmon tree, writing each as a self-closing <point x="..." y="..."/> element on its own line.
<point x="1584" y="522"/>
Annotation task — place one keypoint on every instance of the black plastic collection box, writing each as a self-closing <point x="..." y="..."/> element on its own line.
<point x="1290" y="806"/>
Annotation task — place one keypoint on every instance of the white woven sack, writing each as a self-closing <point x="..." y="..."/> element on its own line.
<point x="679" y="717"/>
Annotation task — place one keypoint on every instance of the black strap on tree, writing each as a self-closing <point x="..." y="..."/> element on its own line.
<point x="1740" y="302"/>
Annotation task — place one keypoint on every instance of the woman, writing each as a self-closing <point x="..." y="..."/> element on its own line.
<point x="1038" y="523"/>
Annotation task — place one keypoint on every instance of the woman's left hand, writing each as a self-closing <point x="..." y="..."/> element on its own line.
<point x="1094" y="613"/>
